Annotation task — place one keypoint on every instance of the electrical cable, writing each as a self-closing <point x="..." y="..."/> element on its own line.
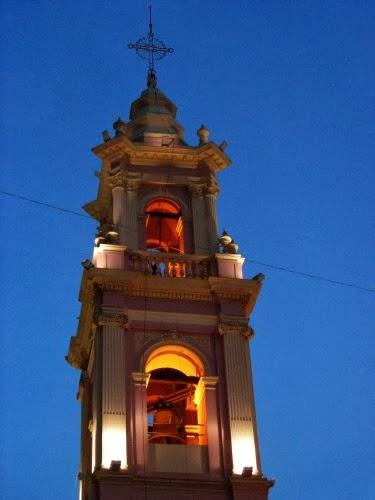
<point x="270" y="266"/>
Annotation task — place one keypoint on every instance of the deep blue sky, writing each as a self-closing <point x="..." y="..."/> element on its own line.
<point x="290" y="86"/>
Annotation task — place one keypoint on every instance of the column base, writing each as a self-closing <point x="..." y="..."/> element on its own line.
<point x="113" y="485"/>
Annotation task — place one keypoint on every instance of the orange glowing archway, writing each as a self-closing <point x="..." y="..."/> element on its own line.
<point x="164" y="226"/>
<point x="175" y="396"/>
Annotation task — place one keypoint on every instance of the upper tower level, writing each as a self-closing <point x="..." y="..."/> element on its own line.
<point x="158" y="194"/>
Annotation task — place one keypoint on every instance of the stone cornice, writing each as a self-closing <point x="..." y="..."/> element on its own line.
<point x="132" y="283"/>
<point x="236" y="289"/>
<point x="186" y="156"/>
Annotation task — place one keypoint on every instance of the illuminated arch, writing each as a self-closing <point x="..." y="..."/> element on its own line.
<point x="164" y="225"/>
<point x="175" y="396"/>
<point x="177" y="357"/>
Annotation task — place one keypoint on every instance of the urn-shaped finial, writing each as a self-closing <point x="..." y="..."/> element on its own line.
<point x="203" y="134"/>
<point x="232" y="247"/>
<point x="119" y="126"/>
<point x="225" y="239"/>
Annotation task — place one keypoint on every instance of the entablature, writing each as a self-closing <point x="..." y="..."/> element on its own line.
<point x="141" y="154"/>
<point x="135" y="284"/>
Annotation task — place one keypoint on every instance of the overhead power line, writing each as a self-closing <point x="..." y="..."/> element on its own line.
<point x="44" y="204"/>
<point x="271" y="266"/>
<point x="312" y="276"/>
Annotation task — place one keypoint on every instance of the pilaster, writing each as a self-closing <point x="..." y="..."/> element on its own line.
<point x="119" y="216"/>
<point x="117" y="183"/>
<point x="199" y="219"/>
<point x="140" y="440"/>
<point x="114" y="391"/>
<point x="213" y="430"/>
<point x="109" y="391"/>
<point x="241" y="409"/>
<point x="131" y="239"/>
<point x="212" y="191"/>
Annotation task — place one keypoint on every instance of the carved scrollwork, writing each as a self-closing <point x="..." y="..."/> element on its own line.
<point x="116" y="179"/>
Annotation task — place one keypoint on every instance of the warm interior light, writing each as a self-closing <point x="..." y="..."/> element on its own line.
<point x="176" y="397"/>
<point x="114" y="441"/>
<point x="176" y="357"/>
<point x="243" y="448"/>
<point x="164" y="226"/>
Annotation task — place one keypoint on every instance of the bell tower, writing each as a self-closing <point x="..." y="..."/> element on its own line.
<point x="167" y="404"/>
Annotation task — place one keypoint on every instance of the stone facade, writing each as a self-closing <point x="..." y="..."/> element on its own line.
<point x="164" y="333"/>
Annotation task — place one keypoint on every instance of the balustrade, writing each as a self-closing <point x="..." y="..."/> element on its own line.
<point x="170" y="265"/>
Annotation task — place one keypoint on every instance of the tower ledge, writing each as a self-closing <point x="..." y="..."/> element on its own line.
<point x="143" y="154"/>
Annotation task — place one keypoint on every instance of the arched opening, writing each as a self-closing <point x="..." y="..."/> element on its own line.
<point x="176" y="409"/>
<point x="164" y="226"/>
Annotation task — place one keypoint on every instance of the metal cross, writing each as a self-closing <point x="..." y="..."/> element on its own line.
<point x="151" y="48"/>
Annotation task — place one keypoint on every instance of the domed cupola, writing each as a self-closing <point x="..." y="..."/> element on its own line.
<point x="153" y="118"/>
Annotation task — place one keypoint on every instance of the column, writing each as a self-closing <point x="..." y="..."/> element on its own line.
<point x="85" y="470"/>
<point x="199" y="220"/>
<point x="241" y="408"/>
<point x="131" y="239"/>
<point x="212" y="422"/>
<point x="113" y="403"/>
<point x="211" y="193"/>
<point x="97" y="400"/>
<point x="109" y="403"/>
<point x="116" y="181"/>
<point x="119" y="203"/>
<point x="140" y="438"/>
<point x="188" y="235"/>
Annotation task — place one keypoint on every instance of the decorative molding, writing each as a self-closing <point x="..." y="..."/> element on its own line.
<point x="196" y="190"/>
<point x="210" y="382"/>
<point x="142" y="154"/>
<point x="112" y="318"/>
<point x="168" y="317"/>
<point x="144" y="341"/>
<point x="132" y="185"/>
<point x="140" y="378"/>
<point x="236" y="329"/>
<point x="117" y="179"/>
<point x="212" y="186"/>
<point x="177" y="294"/>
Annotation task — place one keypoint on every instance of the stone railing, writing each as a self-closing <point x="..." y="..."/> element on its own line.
<point x="170" y="265"/>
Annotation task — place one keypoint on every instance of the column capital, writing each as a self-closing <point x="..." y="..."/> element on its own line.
<point x="141" y="378"/>
<point x="117" y="180"/>
<point x="132" y="185"/>
<point x="236" y="329"/>
<point x="196" y="190"/>
<point x="210" y="382"/>
<point x="112" y="319"/>
<point x="212" y="187"/>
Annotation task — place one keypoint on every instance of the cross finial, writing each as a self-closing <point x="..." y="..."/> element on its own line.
<point x="151" y="48"/>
